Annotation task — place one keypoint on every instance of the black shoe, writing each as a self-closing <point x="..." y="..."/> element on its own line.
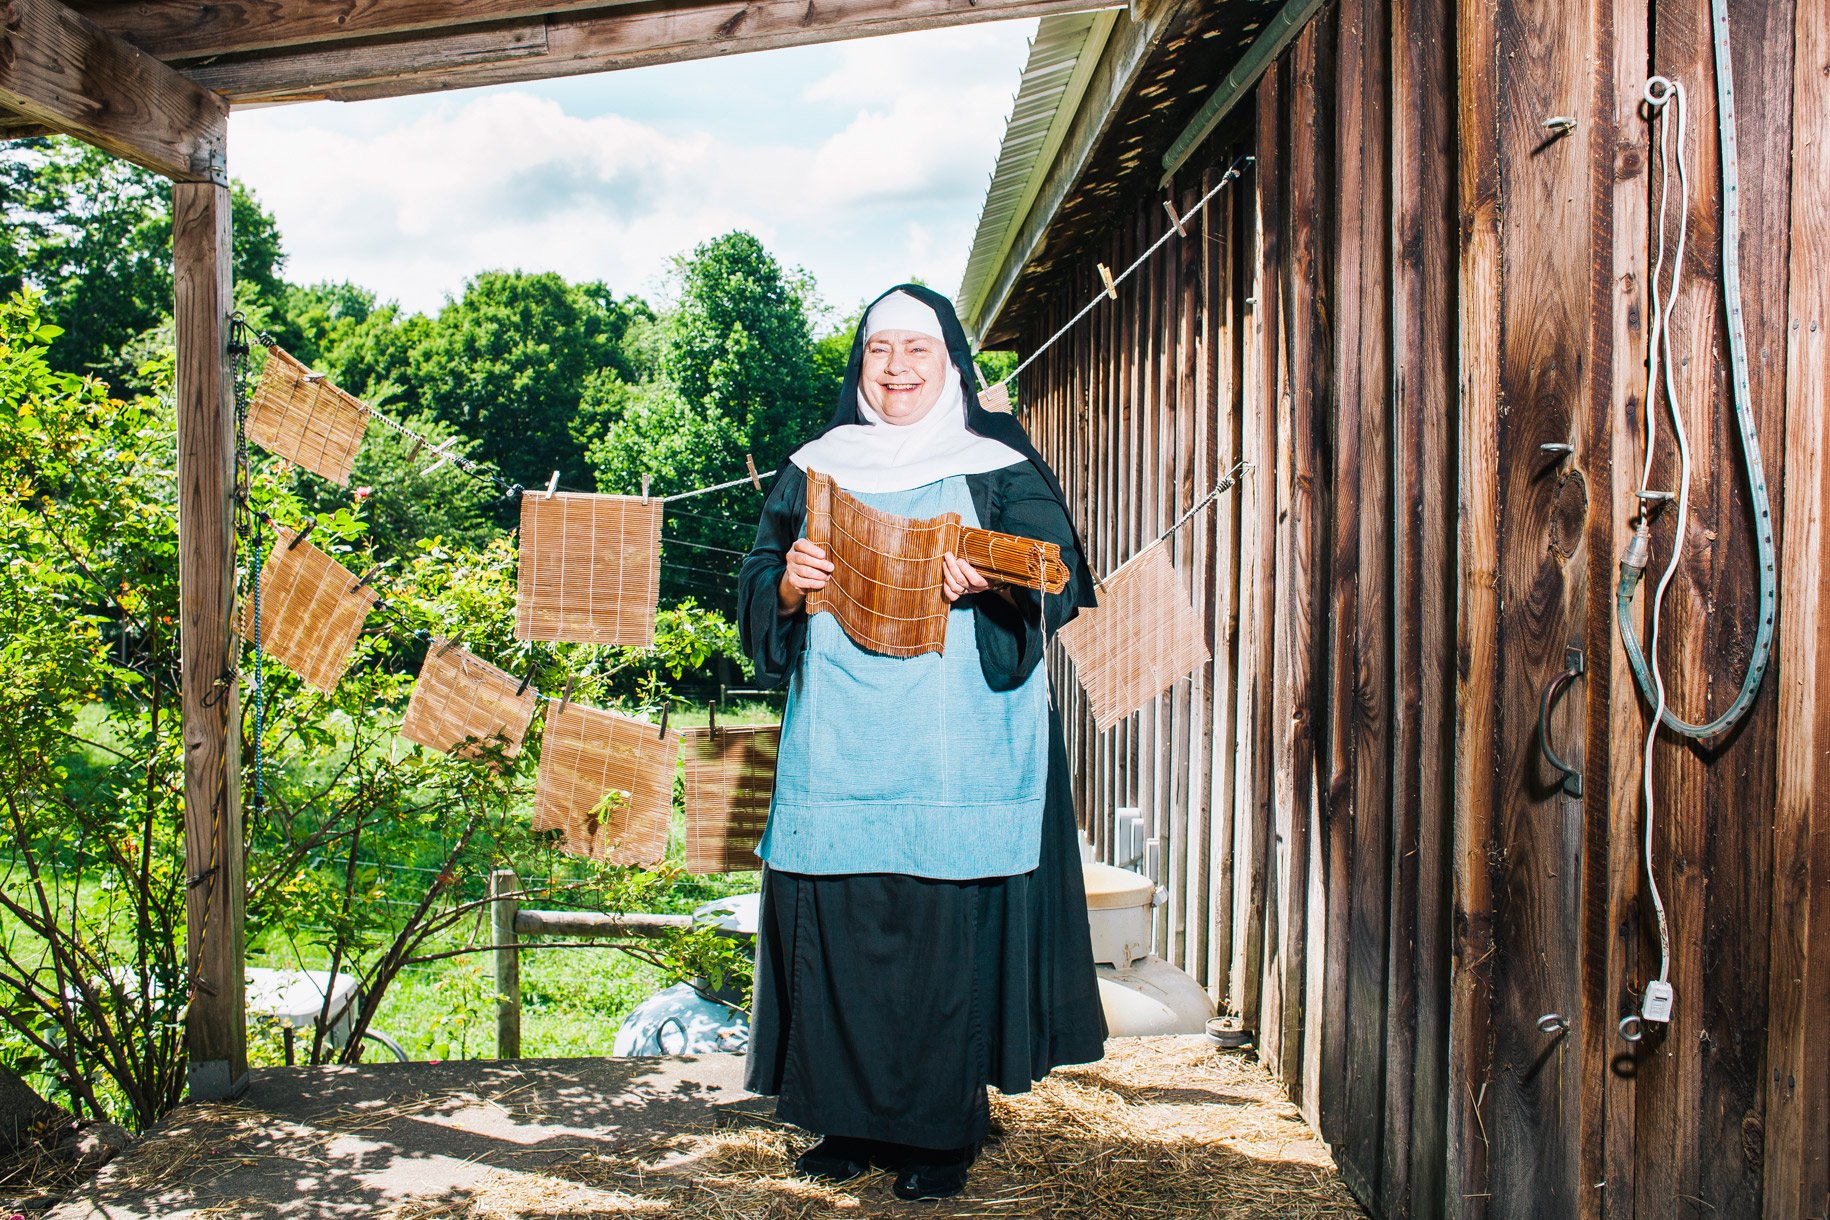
<point x="837" y="1158"/>
<point x="938" y="1174"/>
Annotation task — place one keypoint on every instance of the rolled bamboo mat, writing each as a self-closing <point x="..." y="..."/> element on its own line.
<point x="311" y="611"/>
<point x="1138" y="641"/>
<point x="590" y="568"/>
<point x="885" y="585"/>
<point x="730" y="777"/>
<point x="607" y="781"/>
<point x="461" y="702"/>
<point x="305" y="419"/>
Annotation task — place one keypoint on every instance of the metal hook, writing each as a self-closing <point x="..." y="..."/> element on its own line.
<point x="1560" y="124"/>
<point x="1553" y="1023"/>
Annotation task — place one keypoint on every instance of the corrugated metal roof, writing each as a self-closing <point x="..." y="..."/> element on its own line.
<point x="1061" y="60"/>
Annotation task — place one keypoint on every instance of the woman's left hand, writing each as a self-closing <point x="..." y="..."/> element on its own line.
<point x="958" y="578"/>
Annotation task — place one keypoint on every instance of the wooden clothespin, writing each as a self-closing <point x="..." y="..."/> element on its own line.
<point x="644" y="489"/>
<point x="552" y="485"/>
<point x="1105" y="273"/>
<point x="367" y="576"/>
<point x="711" y="719"/>
<point x="1175" y="218"/>
<point x="449" y="644"/>
<point x="310" y="525"/>
<point x="749" y="461"/>
<point x="419" y="442"/>
<point x="445" y="452"/>
<point x="526" y="680"/>
<point x="567" y="696"/>
<point x="663" y="733"/>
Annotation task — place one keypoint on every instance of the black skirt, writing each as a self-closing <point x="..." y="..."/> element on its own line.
<point x="885" y="1003"/>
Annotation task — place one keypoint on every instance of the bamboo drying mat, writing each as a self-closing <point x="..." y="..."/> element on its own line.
<point x="311" y="611"/>
<point x="305" y="419"/>
<point x="1138" y="641"/>
<point x="590" y="568"/>
<point x="608" y="782"/>
<point x="460" y="697"/>
<point x="730" y="776"/>
<point x="885" y="588"/>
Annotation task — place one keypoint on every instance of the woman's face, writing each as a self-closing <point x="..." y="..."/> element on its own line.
<point x="904" y="372"/>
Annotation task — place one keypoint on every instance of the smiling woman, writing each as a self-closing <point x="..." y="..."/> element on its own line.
<point x="923" y="931"/>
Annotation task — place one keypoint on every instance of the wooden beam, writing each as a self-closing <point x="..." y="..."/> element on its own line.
<point x="595" y="41"/>
<point x="170" y="29"/>
<point x="215" y="1031"/>
<point x="63" y="71"/>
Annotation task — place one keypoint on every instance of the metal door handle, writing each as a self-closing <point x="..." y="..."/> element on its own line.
<point x="1573" y="669"/>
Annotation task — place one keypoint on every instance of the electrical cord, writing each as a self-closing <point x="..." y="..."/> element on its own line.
<point x="1663" y="96"/>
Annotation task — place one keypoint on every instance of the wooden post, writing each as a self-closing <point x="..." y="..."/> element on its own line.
<point x="504" y="885"/>
<point x="215" y="1031"/>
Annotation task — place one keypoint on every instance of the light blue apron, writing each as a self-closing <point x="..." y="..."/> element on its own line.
<point x="908" y="764"/>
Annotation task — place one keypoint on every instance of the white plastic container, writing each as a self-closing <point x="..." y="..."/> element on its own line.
<point x="1140" y="992"/>
<point x="1119" y="903"/>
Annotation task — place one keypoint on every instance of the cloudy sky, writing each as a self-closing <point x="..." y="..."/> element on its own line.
<point x="863" y="162"/>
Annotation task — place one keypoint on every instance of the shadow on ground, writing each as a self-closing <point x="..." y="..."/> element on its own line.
<point x="1164" y="1127"/>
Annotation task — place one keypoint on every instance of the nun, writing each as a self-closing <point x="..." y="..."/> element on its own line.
<point x="923" y="931"/>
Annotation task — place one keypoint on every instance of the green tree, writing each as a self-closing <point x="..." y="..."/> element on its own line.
<point x="506" y="364"/>
<point x="93" y="234"/>
<point x="738" y="343"/>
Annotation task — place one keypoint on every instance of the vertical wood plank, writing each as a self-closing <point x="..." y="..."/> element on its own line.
<point x="1257" y="571"/>
<point x="1339" y="1122"/>
<point x="1179" y="310"/>
<point x="1364" y="391"/>
<point x="1423" y="438"/>
<point x="215" y="1032"/>
<point x="1224" y="251"/>
<point x="1477" y="608"/>
<point x="1613" y="933"/>
<point x="1303" y="306"/>
<point x="1797" y="1183"/>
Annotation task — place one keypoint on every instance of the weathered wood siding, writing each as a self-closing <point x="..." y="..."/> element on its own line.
<point x="1414" y="288"/>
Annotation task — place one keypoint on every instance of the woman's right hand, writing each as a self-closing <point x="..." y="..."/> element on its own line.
<point x="808" y="569"/>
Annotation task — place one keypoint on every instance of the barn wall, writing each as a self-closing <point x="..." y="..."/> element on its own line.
<point x="1414" y="288"/>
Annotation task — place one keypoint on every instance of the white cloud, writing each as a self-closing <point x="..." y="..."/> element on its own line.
<point x="409" y="198"/>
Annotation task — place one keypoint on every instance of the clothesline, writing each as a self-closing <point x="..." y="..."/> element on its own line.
<point x="1110" y="290"/>
<point x="1226" y="483"/>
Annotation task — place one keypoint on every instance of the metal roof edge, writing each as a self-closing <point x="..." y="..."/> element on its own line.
<point x="1113" y="72"/>
<point x="1000" y="225"/>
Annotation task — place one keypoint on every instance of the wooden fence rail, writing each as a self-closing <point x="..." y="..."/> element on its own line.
<point x="512" y="922"/>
